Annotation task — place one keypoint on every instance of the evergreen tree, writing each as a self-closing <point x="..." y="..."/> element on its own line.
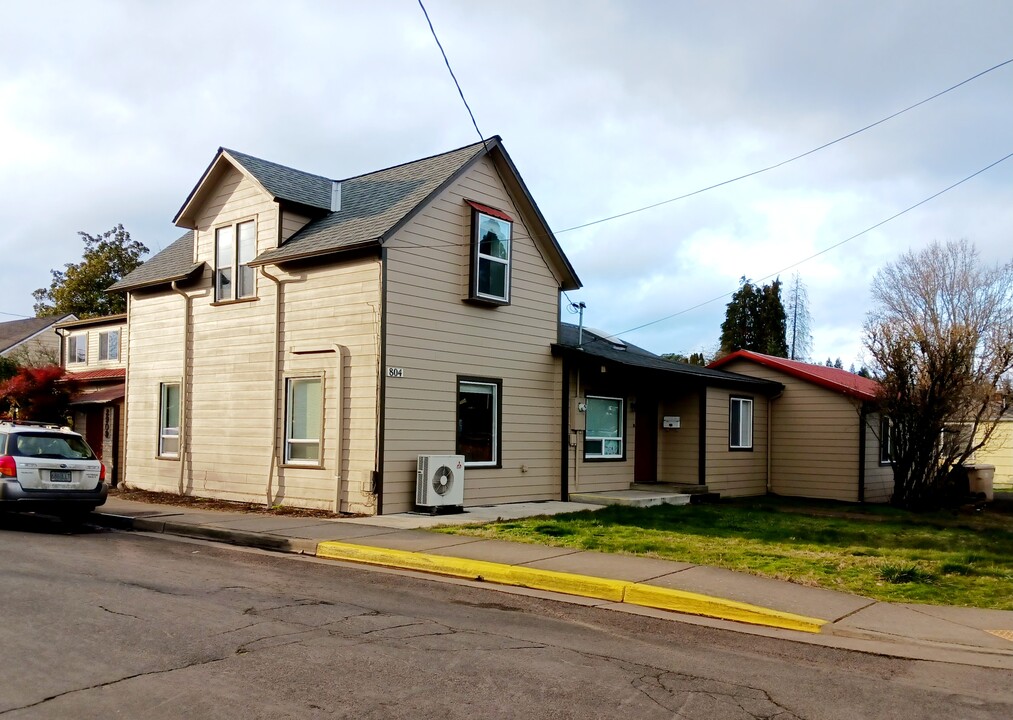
<point x="755" y="320"/>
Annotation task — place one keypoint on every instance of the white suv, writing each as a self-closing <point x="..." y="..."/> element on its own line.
<point x="48" y="468"/>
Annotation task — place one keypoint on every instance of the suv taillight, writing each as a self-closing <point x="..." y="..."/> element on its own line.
<point x="8" y="468"/>
<point x="102" y="471"/>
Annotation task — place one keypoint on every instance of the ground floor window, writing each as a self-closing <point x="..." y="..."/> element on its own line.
<point x="168" y="424"/>
<point x="478" y="421"/>
<point x="740" y="424"/>
<point x="604" y="428"/>
<point x="884" y="440"/>
<point x="303" y="420"/>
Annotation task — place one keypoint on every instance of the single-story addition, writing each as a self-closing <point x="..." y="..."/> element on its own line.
<point x="632" y="417"/>
<point x="825" y="431"/>
<point x="93" y="352"/>
<point x="999" y="452"/>
<point x="307" y="339"/>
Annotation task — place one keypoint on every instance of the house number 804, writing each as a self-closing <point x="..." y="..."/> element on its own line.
<point x="393" y="372"/>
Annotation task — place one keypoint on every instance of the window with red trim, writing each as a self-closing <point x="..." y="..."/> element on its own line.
<point x="491" y="245"/>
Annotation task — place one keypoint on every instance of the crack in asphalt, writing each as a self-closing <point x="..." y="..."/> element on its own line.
<point x="107" y="683"/>
<point x="114" y="612"/>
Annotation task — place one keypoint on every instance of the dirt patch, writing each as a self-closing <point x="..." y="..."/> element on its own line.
<point x="189" y="501"/>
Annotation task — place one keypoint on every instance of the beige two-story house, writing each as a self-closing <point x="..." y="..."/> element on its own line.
<point x="94" y="353"/>
<point x="307" y="338"/>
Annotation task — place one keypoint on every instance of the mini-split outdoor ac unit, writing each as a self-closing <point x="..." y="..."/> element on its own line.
<point x="440" y="481"/>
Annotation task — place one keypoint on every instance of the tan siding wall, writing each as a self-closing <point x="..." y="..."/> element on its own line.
<point x="815" y="439"/>
<point x="435" y="337"/>
<point x="735" y="472"/>
<point x="156" y="356"/>
<point x="878" y="478"/>
<point x="600" y="475"/>
<point x="231" y="390"/>
<point x="93" y="362"/>
<point x="291" y="223"/>
<point x="679" y="450"/>
<point x="43" y="346"/>
<point x="999" y="452"/>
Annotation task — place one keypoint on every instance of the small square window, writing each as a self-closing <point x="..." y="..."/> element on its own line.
<point x="604" y="426"/>
<point x="740" y="424"/>
<point x="109" y="345"/>
<point x="492" y="236"/>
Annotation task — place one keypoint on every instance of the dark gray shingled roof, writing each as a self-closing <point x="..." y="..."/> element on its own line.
<point x="16" y="331"/>
<point x="374" y="204"/>
<point x="603" y="348"/>
<point x="286" y="183"/>
<point x="173" y="263"/>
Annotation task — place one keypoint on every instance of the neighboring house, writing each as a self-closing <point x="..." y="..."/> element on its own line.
<point x="94" y="352"/>
<point x="307" y="339"/>
<point x="32" y="341"/>
<point x="825" y="432"/>
<point x="999" y="452"/>
<point x="632" y="417"/>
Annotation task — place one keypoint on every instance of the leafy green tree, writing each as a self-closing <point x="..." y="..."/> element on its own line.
<point x="80" y="288"/>
<point x="940" y="337"/>
<point x="755" y="320"/>
<point x="696" y="358"/>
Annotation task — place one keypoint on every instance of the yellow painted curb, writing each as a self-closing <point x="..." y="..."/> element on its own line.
<point x="568" y="583"/>
<point x="696" y="604"/>
<point x="571" y="584"/>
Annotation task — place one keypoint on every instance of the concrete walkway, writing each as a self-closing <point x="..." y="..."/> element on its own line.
<point x="721" y="597"/>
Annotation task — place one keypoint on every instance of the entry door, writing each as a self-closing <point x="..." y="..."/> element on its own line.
<point x="645" y="459"/>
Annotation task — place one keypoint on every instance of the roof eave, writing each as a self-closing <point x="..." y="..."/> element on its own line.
<point x="119" y="288"/>
<point x="310" y="254"/>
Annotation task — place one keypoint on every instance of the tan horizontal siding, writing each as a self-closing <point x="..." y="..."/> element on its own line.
<point x="434" y="336"/>
<point x="735" y="472"/>
<point x="999" y="452"/>
<point x="679" y="450"/>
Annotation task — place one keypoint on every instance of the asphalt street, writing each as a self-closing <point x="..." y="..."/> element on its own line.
<point x="103" y="624"/>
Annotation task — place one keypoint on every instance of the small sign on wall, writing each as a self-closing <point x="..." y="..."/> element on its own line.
<point x="395" y="372"/>
<point x="671" y="422"/>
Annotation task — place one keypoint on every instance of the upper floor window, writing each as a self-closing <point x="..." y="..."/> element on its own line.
<point x="235" y="248"/>
<point x="492" y="233"/>
<point x="77" y="349"/>
<point x="109" y="345"/>
<point x="740" y="424"/>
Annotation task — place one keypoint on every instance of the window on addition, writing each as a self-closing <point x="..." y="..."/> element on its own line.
<point x="235" y="248"/>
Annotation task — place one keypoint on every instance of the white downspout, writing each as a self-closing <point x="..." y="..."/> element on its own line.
<point x="184" y="423"/>
<point x="273" y="468"/>
<point x="339" y="435"/>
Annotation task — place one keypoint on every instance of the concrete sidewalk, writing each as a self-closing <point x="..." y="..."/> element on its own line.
<point x="647" y="585"/>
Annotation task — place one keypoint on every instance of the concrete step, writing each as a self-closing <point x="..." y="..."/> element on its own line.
<point x="683" y="488"/>
<point x="630" y="498"/>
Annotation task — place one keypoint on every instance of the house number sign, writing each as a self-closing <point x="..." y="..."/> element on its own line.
<point x="393" y="372"/>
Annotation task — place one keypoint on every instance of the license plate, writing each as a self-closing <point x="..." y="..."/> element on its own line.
<point x="59" y="476"/>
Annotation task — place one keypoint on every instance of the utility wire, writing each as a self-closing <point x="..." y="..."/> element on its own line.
<point x="453" y="76"/>
<point x="783" y="162"/>
<point x="821" y="252"/>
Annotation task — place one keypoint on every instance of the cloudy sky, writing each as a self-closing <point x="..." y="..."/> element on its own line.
<point x="110" y="111"/>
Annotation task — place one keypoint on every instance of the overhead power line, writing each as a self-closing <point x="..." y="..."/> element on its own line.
<point x="824" y="250"/>
<point x="784" y="162"/>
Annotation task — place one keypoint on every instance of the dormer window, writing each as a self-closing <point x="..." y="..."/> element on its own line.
<point x="491" y="240"/>
<point x="235" y="248"/>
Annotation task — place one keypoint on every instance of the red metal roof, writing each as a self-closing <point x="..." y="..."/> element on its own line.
<point x="490" y="210"/>
<point x="99" y="395"/>
<point x="103" y="374"/>
<point x="831" y="378"/>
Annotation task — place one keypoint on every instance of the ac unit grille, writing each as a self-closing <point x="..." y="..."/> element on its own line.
<point x="439" y="480"/>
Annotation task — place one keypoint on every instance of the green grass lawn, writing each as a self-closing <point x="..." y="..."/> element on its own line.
<point x="879" y="552"/>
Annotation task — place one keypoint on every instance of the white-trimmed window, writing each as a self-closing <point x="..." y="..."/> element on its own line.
<point x="603" y="428"/>
<point x="884" y="440"/>
<point x="304" y="408"/>
<point x="478" y="421"/>
<point x="77" y="349"/>
<point x="740" y="424"/>
<point x="235" y="248"/>
<point x="168" y="422"/>
<point x="109" y="345"/>
<point x="491" y="244"/>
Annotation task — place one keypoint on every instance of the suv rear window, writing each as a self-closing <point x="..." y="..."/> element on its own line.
<point x="49" y="445"/>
